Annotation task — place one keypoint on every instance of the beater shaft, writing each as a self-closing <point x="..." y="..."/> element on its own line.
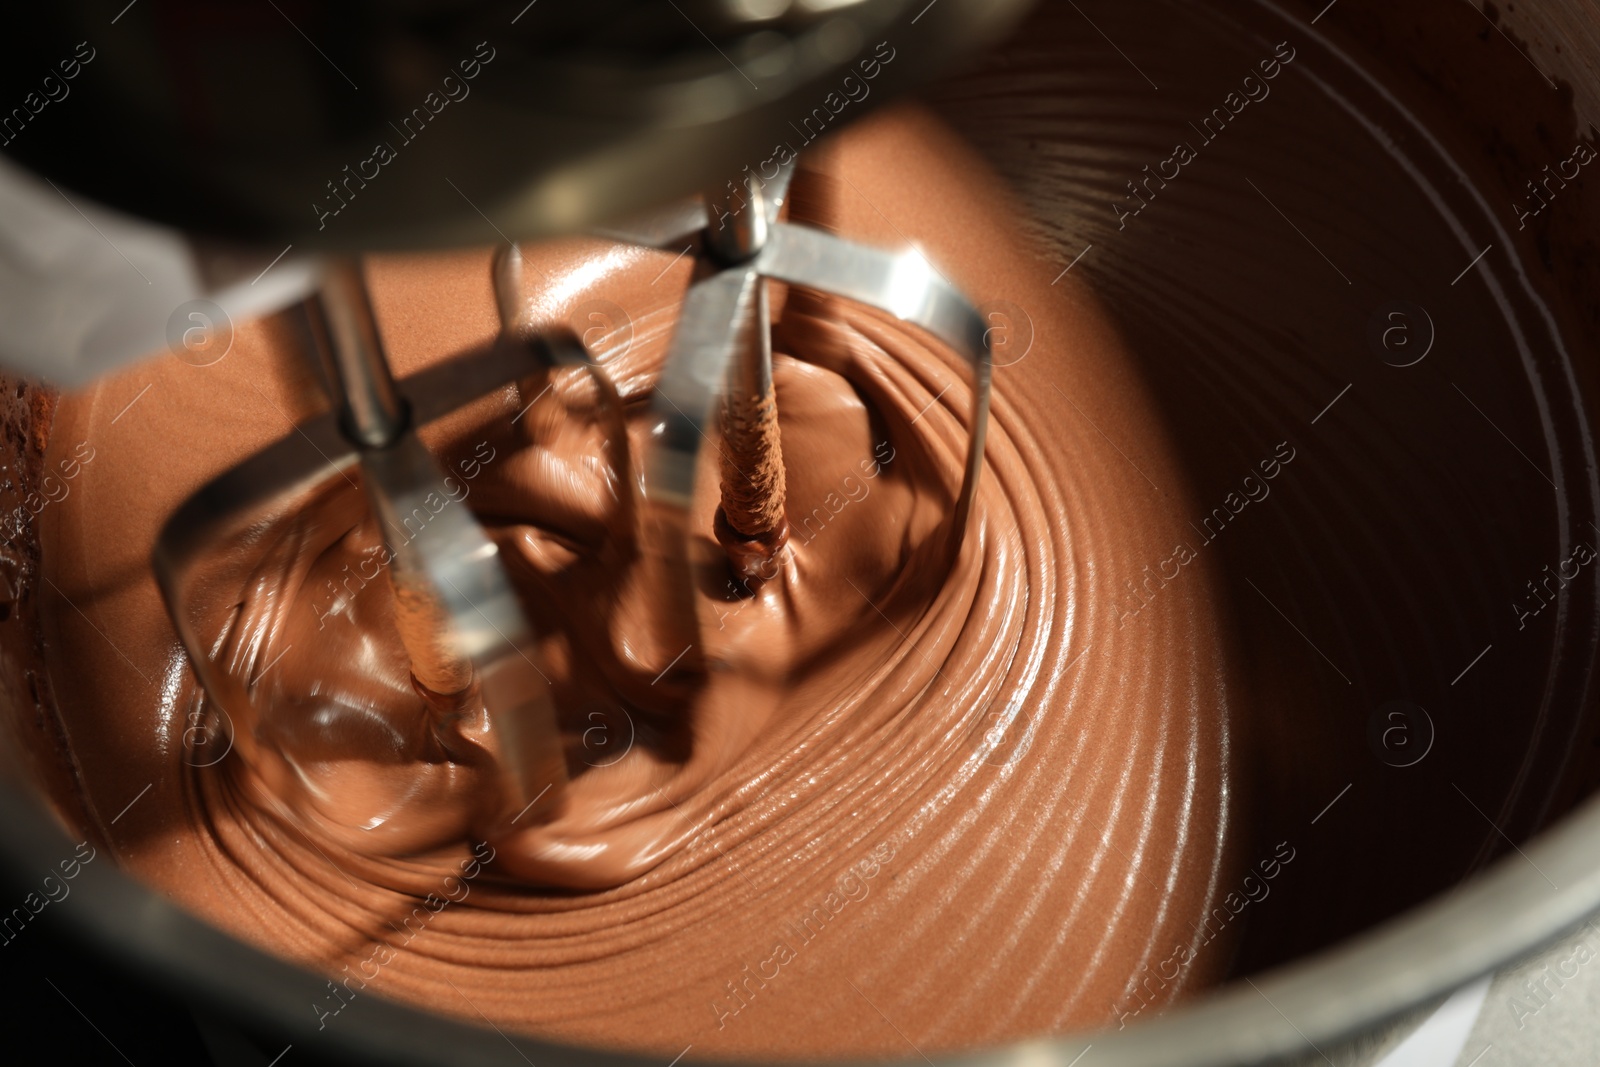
<point x="456" y="612"/>
<point x="750" y="524"/>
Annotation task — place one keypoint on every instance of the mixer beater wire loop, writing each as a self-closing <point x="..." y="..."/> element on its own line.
<point x="459" y="617"/>
<point x="719" y="368"/>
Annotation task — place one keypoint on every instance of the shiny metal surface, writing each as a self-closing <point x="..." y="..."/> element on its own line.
<point x="246" y="137"/>
<point x="718" y="312"/>
<point x="446" y="571"/>
<point x="737" y="219"/>
<point x="722" y="341"/>
<point x="907" y="286"/>
<point x="449" y="553"/>
<point x="501" y="120"/>
<point x="904" y="285"/>
<point x="458" y="568"/>
<point x="356" y="367"/>
<point x="85" y="290"/>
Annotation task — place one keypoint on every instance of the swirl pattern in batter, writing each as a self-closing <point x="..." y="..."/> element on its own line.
<point x="899" y="792"/>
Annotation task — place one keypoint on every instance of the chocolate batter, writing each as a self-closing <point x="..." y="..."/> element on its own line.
<point x="934" y="806"/>
<point x="754" y="847"/>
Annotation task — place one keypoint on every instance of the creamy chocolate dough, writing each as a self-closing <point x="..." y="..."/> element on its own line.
<point x="895" y="770"/>
<point x="912" y="805"/>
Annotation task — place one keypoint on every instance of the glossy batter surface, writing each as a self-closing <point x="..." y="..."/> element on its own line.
<point x="1122" y="747"/>
<point x="896" y="778"/>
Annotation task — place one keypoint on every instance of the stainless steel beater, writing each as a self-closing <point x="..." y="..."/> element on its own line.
<point x="449" y="572"/>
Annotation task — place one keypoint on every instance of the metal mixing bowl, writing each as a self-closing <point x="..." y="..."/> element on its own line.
<point x="1547" y="886"/>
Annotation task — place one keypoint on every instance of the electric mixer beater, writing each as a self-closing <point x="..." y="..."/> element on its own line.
<point x="458" y="614"/>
